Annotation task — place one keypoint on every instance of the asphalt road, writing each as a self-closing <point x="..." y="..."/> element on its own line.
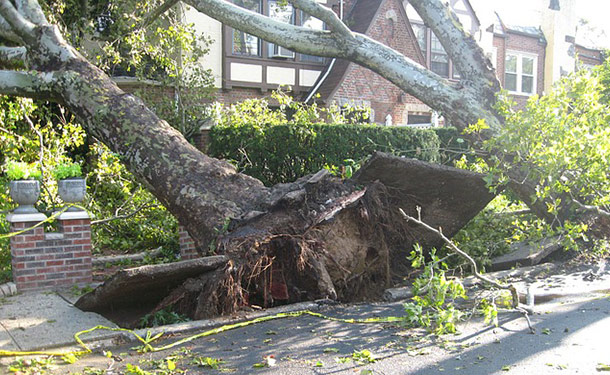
<point x="571" y="338"/>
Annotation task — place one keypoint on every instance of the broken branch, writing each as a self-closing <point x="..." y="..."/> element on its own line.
<point x="452" y="246"/>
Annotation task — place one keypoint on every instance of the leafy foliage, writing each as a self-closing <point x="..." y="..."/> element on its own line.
<point x="495" y="228"/>
<point x="17" y="170"/>
<point x="162" y="317"/>
<point x="432" y="306"/>
<point x="564" y="139"/>
<point x="143" y="222"/>
<point x="67" y="170"/>
<point x="274" y="147"/>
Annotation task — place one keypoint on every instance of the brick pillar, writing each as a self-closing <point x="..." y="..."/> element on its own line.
<point x="46" y="260"/>
<point x="76" y="230"/>
<point x="187" y="245"/>
<point x="26" y="258"/>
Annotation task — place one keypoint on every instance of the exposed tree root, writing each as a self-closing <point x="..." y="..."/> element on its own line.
<point x="322" y="237"/>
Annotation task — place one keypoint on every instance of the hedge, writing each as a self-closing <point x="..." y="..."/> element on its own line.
<point x="283" y="153"/>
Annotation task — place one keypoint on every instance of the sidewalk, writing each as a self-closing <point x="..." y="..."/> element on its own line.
<point x="45" y="320"/>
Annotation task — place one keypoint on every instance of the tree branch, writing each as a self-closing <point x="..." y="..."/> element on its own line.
<point x="461" y="253"/>
<point x="461" y="104"/>
<point x="12" y="56"/>
<point x="31" y="10"/>
<point x="295" y="38"/>
<point x="587" y="208"/>
<point x="30" y="84"/>
<point x="152" y="16"/>
<point x="21" y="26"/>
<point x="324" y="14"/>
<point x="466" y="55"/>
<point x="523" y="309"/>
<point x="124" y="216"/>
<point x="6" y="32"/>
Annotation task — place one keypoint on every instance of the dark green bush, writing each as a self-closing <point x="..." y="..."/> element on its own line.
<point x="283" y="153"/>
<point x="452" y="145"/>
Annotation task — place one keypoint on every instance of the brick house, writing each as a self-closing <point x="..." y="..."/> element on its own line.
<point x="348" y="84"/>
<point x="527" y="58"/>
<point x="518" y="54"/>
<point x="246" y="67"/>
<point x="530" y="58"/>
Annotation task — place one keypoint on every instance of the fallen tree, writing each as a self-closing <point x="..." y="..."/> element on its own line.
<point x="319" y="237"/>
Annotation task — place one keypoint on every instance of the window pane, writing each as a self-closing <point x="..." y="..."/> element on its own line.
<point x="282" y="12"/>
<point x="527" y="84"/>
<point x="528" y="65"/>
<point x="246" y="44"/>
<point x="510" y="82"/>
<point x="440" y="64"/>
<point x="511" y="64"/>
<point x="311" y="23"/>
<point x="435" y="45"/>
<point x="420" y="34"/>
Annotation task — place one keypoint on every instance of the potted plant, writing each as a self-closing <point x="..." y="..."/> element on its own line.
<point x="71" y="186"/>
<point x="24" y="185"/>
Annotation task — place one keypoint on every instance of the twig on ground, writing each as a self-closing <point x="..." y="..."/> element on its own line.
<point x="453" y="247"/>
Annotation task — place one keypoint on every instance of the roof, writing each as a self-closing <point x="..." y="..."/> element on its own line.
<point x="360" y="19"/>
<point x="500" y="28"/>
<point x="525" y="30"/>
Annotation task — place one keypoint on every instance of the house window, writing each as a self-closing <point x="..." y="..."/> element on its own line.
<point x="520" y="73"/>
<point x="245" y="44"/>
<point x="311" y="22"/>
<point x="437" y="59"/>
<point x="281" y="12"/>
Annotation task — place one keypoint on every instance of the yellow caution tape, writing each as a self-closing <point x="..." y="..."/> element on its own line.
<point x="147" y="347"/>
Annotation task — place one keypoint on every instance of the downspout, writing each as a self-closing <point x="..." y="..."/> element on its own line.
<point x="330" y="66"/>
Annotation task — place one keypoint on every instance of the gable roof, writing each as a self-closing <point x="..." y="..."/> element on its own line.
<point x="470" y="10"/>
<point x="501" y="29"/>
<point x="360" y="19"/>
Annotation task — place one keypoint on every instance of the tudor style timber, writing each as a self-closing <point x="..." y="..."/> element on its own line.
<point x="249" y="61"/>
<point x="527" y="58"/>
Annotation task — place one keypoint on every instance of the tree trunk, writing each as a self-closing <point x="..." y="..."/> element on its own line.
<point x="322" y="237"/>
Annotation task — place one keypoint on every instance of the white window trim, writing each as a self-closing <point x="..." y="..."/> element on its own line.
<point x="519" y="73"/>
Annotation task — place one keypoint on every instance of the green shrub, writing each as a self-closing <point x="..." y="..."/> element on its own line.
<point x="113" y="191"/>
<point x="285" y="152"/>
<point x="67" y="170"/>
<point x="17" y="170"/>
<point x="452" y="145"/>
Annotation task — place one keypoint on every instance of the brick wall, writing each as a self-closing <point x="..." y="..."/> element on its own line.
<point x="390" y="27"/>
<point x="46" y="260"/>
<point x="187" y="245"/>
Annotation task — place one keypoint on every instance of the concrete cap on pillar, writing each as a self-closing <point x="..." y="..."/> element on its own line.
<point x="26" y="218"/>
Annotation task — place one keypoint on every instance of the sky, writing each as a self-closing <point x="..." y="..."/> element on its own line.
<point x="520" y="12"/>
